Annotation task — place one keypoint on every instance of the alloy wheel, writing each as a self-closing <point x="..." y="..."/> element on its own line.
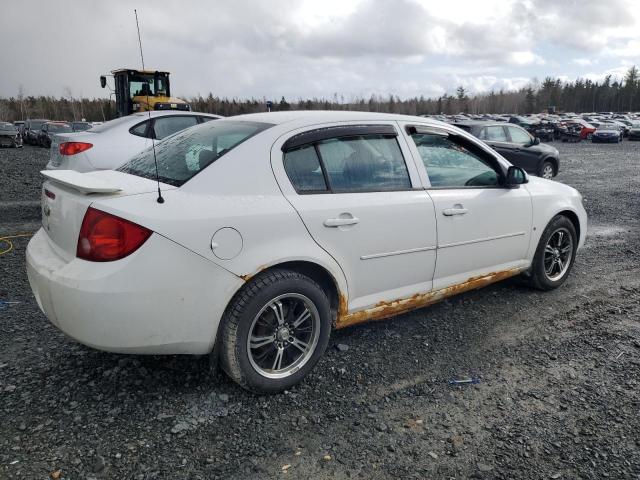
<point x="283" y="335"/>
<point x="547" y="171"/>
<point x="557" y="254"/>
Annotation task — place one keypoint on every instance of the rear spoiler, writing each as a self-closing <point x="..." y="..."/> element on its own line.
<point x="82" y="182"/>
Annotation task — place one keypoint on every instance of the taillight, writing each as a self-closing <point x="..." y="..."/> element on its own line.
<point x="71" y="148"/>
<point x="104" y="237"/>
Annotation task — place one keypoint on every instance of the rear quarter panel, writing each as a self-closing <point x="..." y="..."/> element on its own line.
<point x="238" y="191"/>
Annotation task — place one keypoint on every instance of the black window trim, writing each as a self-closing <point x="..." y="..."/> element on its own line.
<point x="347" y="131"/>
<point x="151" y="124"/>
<point x="337" y="131"/>
<point x="466" y="143"/>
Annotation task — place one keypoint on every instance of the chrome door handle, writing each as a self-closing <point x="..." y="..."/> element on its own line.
<point x="449" y="212"/>
<point x="340" y="222"/>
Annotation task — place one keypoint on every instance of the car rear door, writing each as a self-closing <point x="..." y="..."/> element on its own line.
<point x="483" y="228"/>
<point x="358" y="192"/>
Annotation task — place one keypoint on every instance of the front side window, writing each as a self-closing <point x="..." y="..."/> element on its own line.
<point x="449" y="163"/>
<point x="519" y="136"/>
<point x="188" y="152"/>
<point x="165" y="126"/>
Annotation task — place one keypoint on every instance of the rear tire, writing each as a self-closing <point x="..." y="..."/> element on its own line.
<point x="265" y="346"/>
<point x="554" y="255"/>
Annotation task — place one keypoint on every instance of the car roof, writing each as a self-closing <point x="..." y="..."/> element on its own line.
<point x="319" y="116"/>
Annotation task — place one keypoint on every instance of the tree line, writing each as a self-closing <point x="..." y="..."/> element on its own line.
<point x="581" y="95"/>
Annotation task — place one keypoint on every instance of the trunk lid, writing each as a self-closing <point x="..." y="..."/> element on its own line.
<point x="66" y="195"/>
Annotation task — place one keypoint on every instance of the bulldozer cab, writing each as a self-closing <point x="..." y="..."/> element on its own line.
<point x="143" y="90"/>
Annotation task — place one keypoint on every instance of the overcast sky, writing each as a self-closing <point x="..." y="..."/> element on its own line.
<point x="315" y="48"/>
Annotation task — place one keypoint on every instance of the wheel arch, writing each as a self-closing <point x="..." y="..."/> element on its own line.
<point x="336" y="292"/>
<point x="573" y="217"/>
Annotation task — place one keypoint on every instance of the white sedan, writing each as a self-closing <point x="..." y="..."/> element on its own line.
<point x="274" y="228"/>
<point x="110" y="144"/>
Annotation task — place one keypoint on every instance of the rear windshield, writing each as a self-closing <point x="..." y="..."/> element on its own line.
<point x="7" y="126"/>
<point x="184" y="154"/>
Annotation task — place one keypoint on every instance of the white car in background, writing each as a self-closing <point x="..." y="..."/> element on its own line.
<point x="277" y="227"/>
<point x="109" y="145"/>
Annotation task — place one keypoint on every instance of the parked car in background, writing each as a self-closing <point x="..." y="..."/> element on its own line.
<point x="80" y="126"/>
<point x="277" y="227"/>
<point x="607" y="132"/>
<point x="518" y="146"/>
<point x="586" y="129"/>
<point x="634" y="131"/>
<point x="9" y="135"/>
<point x="109" y="145"/>
<point x="32" y="130"/>
<point x="49" y="130"/>
<point x="19" y="124"/>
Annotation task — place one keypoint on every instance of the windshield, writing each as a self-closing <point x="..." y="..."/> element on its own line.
<point x="607" y="126"/>
<point x="36" y="124"/>
<point x="59" y="128"/>
<point x="7" y="126"/>
<point x="184" y="154"/>
<point x="147" y="84"/>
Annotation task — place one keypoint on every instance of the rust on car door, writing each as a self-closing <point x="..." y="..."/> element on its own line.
<point x="384" y="310"/>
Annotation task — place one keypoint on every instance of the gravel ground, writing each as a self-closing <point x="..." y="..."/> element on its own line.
<point x="557" y="397"/>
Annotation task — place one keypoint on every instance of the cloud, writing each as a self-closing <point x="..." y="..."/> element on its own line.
<point x="306" y="48"/>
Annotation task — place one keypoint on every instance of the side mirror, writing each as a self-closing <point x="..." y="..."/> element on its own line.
<point x="516" y="176"/>
<point x="536" y="141"/>
<point x="103" y="81"/>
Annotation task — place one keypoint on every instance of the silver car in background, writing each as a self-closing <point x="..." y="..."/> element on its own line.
<point x="107" y="146"/>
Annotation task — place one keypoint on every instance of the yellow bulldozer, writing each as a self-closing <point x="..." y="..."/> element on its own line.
<point x="142" y="90"/>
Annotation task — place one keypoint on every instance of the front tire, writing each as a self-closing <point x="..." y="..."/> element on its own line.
<point x="274" y="331"/>
<point x="547" y="170"/>
<point x="555" y="254"/>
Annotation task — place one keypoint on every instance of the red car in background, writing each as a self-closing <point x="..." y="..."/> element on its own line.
<point x="587" y="129"/>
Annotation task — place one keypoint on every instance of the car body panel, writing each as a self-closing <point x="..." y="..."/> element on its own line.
<point x="171" y="293"/>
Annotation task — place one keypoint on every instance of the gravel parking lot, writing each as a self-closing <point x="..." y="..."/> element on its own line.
<point x="558" y="392"/>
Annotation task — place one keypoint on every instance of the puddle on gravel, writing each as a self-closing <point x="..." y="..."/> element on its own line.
<point x="604" y="230"/>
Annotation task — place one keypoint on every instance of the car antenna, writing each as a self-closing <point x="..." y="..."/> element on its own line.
<point x="153" y="144"/>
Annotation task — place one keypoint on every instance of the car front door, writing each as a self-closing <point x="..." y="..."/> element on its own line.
<point x="525" y="157"/>
<point x="484" y="228"/>
<point x="358" y="192"/>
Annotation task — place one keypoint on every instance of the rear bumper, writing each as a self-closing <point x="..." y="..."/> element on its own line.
<point x="162" y="299"/>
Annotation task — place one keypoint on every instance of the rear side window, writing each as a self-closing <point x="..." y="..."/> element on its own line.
<point x="361" y="163"/>
<point x="304" y="171"/>
<point x="494" y="134"/>
<point x="367" y="163"/>
<point x="140" y="130"/>
<point x="165" y="126"/>
<point x="188" y="152"/>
